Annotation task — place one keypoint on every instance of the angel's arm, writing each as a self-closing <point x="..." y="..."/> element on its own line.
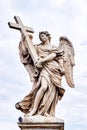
<point x="50" y="57"/>
<point x="41" y="61"/>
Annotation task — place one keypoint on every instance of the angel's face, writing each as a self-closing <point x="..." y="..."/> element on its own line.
<point x="43" y="37"/>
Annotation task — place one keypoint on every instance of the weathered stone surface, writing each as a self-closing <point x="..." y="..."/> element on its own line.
<point x="41" y="119"/>
<point x="41" y="122"/>
<point x="45" y="64"/>
<point x="41" y="126"/>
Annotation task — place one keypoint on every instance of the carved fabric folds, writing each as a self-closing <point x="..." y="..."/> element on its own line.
<point x="50" y="71"/>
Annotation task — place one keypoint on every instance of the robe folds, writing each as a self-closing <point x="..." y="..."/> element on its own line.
<point x="49" y="71"/>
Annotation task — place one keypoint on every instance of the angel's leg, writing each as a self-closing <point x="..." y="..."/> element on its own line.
<point x="39" y="95"/>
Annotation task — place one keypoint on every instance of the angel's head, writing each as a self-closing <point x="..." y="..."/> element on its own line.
<point x="44" y="35"/>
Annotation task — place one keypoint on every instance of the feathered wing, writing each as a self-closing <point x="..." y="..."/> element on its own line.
<point x="67" y="46"/>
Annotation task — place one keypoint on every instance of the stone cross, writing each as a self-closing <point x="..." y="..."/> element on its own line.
<point x="24" y="29"/>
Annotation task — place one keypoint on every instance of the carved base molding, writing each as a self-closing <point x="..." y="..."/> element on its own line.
<point x="41" y="126"/>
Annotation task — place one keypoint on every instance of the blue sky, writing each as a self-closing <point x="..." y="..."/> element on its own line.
<point x="59" y="17"/>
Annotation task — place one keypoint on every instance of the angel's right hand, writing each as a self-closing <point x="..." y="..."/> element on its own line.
<point x="38" y="64"/>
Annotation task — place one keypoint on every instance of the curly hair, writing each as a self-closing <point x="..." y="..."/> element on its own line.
<point x="46" y="33"/>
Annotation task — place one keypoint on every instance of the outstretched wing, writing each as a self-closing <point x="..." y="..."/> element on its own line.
<point x="69" y="62"/>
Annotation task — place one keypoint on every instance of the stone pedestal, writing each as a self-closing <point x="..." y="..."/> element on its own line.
<point x="39" y="122"/>
<point x="41" y="126"/>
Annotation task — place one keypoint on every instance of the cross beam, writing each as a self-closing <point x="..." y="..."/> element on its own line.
<point x="24" y="29"/>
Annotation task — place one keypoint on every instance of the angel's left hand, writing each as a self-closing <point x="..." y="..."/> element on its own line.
<point x="60" y="53"/>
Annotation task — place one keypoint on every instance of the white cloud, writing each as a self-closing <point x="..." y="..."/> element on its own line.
<point x="8" y="125"/>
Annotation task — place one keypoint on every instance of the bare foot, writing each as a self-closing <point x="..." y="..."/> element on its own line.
<point x="32" y="112"/>
<point x="46" y="114"/>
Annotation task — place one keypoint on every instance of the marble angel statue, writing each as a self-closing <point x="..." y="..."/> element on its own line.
<point x="46" y="74"/>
